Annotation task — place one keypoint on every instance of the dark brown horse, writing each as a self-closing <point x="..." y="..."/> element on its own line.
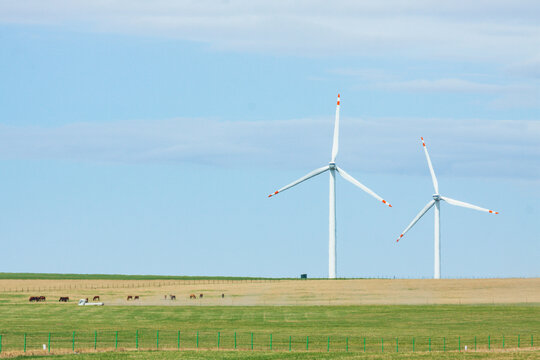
<point x="63" y="299"/>
<point x="96" y="298"/>
<point x="192" y="296"/>
<point x="130" y="297"/>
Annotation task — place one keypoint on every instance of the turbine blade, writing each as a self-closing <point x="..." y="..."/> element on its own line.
<point x="466" y="205"/>
<point x="415" y="220"/>
<point x="303" y="178"/>
<point x="352" y="180"/>
<point x="433" y="178"/>
<point x="335" y="145"/>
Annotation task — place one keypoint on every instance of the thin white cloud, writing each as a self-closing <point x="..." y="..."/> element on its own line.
<point x="386" y="145"/>
<point x="472" y="30"/>
<point x="443" y="85"/>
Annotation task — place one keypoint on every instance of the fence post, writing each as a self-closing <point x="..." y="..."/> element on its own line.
<point x="178" y="340"/>
<point x="382" y="344"/>
<point x="413" y="344"/>
<point x="218" y="338"/>
<point x="73" y="342"/>
<point x="24" y="342"/>
<point x="197" y="339"/>
<point x="0" y="343"/>
<point x="459" y="342"/>
<point x="397" y="346"/>
<point x="444" y="344"/>
<point x="328" y="345"/>
<point x="518" y="340"/>
<point x="307" y="343"/>
<point x="235" y="339"/>
<point x="364" y="344"/>
<point x="290" y="340"/>
<point x="137" y="339"/>
<point x="532" y="341"/>
<point x="49" y="343"/>
<point x="347" y="344"/>
<point x="503" y="341"/>
<point x="95" y="339"/>
<point x="116" y="340"/>
<point x="270" y="341"/>
<point x="489" y="342"/>
<point x="475" y="343"/>
<point x="157" y="339"/>
<point x="430" y="344"/>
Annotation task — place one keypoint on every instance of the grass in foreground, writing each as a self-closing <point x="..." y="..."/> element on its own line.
<point x="226" y="355"/>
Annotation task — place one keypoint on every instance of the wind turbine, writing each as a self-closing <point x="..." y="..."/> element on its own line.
<point x="333" y="168"/>
<point x="436" y="201"/>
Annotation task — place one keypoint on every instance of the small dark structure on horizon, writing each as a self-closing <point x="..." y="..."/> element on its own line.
<point x="303" y="276"/>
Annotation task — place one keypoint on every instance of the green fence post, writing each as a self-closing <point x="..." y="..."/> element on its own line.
<point x="235" y="339"/>
<point x="270" y="341"/>
<point x="197" y="339"/>
<point x="251" y="341"/>
<point x="532" y="341"/>
<point x="24" y="342"/>
<point x="413" y="344"/>
<point x="364" y="344"/>
<point x="518" y="340"/>
<point x="475" y="343"/>
<point x="347" y="344"/>
<point x="503" y="341"/>
<point x="178" y="340"/>
<point x="116" y="340"/>
<point x="49" y="343"/>
<point x="307" y="343"/>
<point x="290" y="343"/>
<point x="397" y="346"/>
<point x="157" y="339"/>
<point x="489" y="342"/>
<point x="382" y="345"/>
<point x="95" y="339"/>
<point x="429" y="344"/>
<point x="73" y="341"/>
<point x="218" y="338"/>
<point x="459" y="342"/>
<point x="328" y="344"/>
<point x="444" y="344"/>
<point x="137" y="339"/>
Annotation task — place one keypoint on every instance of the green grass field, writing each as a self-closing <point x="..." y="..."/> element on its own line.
<point x="334" y="328"/>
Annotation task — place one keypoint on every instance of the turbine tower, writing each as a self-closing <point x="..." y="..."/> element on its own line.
<point x="436" y="201"/>
<point x="333" y="168"/>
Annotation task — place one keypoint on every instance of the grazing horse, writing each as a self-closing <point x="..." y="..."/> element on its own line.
<point x="200" y="296"/>
<point x="136" y="297"/>
<point x="192" y="296"/>
<point x="42" y="298"/>
<point x="173" y="297"/>
<point x="96" y="298"/>
<point x="222" y="296"/>
<point x="33" y="298"/>
<point x="130" y="297"/>
<point x="63" y="299"/>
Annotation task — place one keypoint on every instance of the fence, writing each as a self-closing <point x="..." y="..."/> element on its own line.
<point x="190" y="340"/>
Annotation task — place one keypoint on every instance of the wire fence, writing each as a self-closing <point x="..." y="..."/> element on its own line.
<point x="251" y="341"/>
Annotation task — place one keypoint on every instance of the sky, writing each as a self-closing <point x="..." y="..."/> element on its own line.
<point x="144" y="137"/>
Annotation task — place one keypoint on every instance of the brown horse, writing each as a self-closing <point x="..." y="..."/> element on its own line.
<point x="136" y="297"/>
<point x="96" y="298"/>
<point x="130" y="297"/>
<point x="192" y="296"/>
<point x="173" y="297"/>
<point x="200" y="296"/>
<point x="63" y="299"/>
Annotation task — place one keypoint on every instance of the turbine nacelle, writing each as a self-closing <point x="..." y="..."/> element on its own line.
<point x="332" y="166"/>
<point x="436" y="197"/>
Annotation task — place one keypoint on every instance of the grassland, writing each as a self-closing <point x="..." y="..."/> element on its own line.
<point x="327" y="315"/>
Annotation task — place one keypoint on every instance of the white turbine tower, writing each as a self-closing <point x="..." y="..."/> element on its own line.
<point x="332" y="219"/>
<point x="436" y="201"/>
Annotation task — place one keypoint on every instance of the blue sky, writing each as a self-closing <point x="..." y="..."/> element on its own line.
<point x="144" y="138"/>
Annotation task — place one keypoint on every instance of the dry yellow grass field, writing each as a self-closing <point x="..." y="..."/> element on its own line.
<point x="282" y="292"/>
